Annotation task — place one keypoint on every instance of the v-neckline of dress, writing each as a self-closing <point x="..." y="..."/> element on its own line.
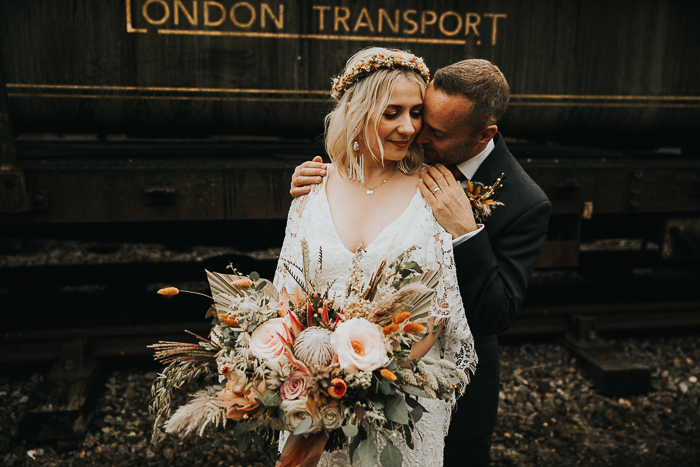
<point x="327" y="206"/>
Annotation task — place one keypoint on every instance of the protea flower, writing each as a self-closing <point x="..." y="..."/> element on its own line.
<point x="313" y="346"/>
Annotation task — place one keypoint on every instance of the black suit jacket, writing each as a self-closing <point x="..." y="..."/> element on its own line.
<point x="493" y="270"/>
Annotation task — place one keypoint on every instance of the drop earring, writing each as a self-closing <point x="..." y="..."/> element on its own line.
<point x="355" y="172"/>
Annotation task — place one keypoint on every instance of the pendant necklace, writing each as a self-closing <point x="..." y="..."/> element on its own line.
<point x="370" y="191"/>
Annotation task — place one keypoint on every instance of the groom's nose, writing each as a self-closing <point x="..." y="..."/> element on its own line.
<point x="422" y="136"/>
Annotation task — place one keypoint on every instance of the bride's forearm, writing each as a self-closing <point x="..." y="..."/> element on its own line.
<point x="420" y="348"/>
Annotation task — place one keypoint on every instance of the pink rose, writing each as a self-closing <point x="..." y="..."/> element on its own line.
<point x="293" y="386"/>
<point x="359" y="345"/>
<point x="265" y="343"/>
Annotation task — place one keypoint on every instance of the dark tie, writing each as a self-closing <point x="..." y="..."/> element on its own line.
<point x="456" y="172"/>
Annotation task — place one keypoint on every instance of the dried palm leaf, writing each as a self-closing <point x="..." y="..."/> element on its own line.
<point x="419" y="304"/>
<point x="384" y="310"/>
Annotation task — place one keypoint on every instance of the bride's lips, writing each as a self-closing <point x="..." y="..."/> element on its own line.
<point x="400" y="144"/>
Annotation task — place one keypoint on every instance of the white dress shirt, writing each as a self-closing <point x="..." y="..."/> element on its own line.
<point x="469" y="168"/>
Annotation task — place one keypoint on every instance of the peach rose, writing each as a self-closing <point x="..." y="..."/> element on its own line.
<point x="266" y="343"/>
<point x="359" y="345"/>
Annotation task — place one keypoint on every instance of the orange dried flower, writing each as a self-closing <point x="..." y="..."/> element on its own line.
<point x="244" y="282"/>
<point x="410" y="328"/>
<point x="389" y="328"/>
<point x="401" y="317"/>
<point x="388" y="374"/>
<point x="338" y="388"/>
<point x="169" y="291"/>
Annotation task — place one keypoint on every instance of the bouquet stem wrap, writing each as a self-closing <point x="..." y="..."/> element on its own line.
<point x="302" y="451"/>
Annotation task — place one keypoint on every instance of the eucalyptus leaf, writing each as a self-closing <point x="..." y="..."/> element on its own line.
<point x="349" y="430"/>
<point x="259" y="287"/>
<point x="377" y="403"/>
<point x="252" y="327"/>
<point x="218" y="442"/>
<point x="417" y="414"/>
<point x="392" y="365"/>
<point x="413" y="390"/>
<point x="411" y="402"/>
<point x="385" y="387"/>
<point x="244" y="441"/>
<point x="368" y="453"/>
<point x="396" y="410"/>
<point x="361" y="436"/>
<point x="254" y="276"/>
<point x="261" y="442"/>
<point x="303" y="426"/>
<point x="391" y="456"/>
<point x="270" y="399"/>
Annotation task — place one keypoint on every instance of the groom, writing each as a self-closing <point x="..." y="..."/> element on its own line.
<point x="495" y="259"/>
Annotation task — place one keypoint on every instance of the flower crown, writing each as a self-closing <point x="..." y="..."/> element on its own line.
<point x="368" y="65"/>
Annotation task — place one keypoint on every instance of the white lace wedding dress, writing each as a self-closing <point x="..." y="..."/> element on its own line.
<point x="310" y="219"/>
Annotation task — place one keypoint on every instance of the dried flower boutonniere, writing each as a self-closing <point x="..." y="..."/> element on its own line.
<point x="480" y="197"/>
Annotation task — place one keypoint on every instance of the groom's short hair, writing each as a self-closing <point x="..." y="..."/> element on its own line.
<point x="482" y="83"/>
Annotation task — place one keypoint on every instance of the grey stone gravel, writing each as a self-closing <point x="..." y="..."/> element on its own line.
<point x="550" y="415"/>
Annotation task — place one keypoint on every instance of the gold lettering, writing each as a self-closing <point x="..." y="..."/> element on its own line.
<point x="341" y="19"/>
<point x="233" y="14"/>
<point x="279" y="20"/>
<point x="180" y="7"/>
<point x="424" y="23"/>
<point x="362" y="24"/>
<point x="383" y="14"/>
<point x="441" y="25"/>
<point x="166" y="12"/>
<point x="494" y="31"/>
<point x="321" y="9"/>
<point x="472" y="24"/>
<point x="218" y="22"/>
<point x="414" y="24"/>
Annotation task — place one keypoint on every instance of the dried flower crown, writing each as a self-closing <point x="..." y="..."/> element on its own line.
<point x="366" y="66"/>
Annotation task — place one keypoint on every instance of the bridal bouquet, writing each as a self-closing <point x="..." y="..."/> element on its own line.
<point x="322" y="367"/>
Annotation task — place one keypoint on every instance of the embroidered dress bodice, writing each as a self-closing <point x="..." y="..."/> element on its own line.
<point x="310" y="219"/>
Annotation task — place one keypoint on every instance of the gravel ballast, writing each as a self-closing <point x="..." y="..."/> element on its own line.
<point x="550" y="415"/>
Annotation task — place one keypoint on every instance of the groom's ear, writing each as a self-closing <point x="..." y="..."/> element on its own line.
<point x="487" y="134"/>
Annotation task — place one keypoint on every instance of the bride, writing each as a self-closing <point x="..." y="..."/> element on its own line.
<point x="370" y="199"/>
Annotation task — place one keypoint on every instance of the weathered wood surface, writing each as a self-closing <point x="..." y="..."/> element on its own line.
<point x="594" y="68"/>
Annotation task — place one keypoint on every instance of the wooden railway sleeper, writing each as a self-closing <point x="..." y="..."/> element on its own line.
<point x="612" y="371"/>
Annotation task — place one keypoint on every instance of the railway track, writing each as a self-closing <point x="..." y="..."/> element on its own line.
<point x="42" y="311"/>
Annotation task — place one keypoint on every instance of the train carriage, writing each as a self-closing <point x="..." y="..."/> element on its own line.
<point x="183" y="120"/>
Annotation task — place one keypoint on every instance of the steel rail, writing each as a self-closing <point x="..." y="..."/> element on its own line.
<point x="125" y="341"/>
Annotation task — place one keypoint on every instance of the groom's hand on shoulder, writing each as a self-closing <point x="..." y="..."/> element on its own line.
<point x="306" y="175"/>
<point x="447" y="198"/>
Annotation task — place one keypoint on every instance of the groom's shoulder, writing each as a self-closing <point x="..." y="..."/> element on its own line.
<point x="518" y="184"/>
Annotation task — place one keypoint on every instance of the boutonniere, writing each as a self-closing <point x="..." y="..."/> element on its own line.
<point x="480" y="197"/>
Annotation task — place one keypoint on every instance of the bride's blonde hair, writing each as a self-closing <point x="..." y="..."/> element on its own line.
<point x="349" y="120"/>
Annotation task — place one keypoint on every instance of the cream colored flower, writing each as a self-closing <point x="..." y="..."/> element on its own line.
<point x="331" y="416"/>
<point x="265" y="343"/>
<point x="359" y="345"/>
<point x="294" y="412"/>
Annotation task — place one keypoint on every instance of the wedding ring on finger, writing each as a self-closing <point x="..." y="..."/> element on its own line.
<point x="436" y="189"/>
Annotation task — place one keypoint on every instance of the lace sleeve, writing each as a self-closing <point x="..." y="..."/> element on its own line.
<point x="291" y="247"/>
<point x="457" y="340"/>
